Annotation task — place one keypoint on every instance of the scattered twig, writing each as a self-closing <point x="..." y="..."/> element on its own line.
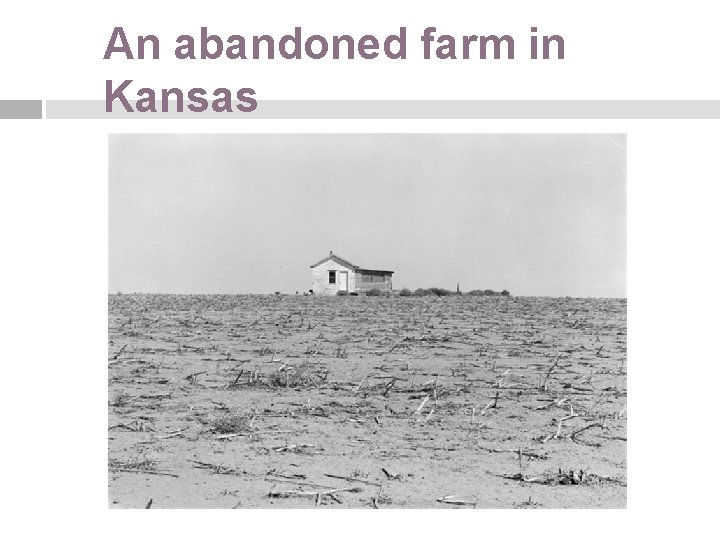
<point x="351" y="479"/>
<point x="299" y="482"/>
<point x="450" y="499"/>
<point x="172" y="434"/>
<point x="293" y="448"/>
<point x="389" y="385"/>
<point x="549" y="372"/>
<point x="235" y="382"/>
<point x="217" y="469"/>
<point x="532" y="454"/>
<point x="148" y="471"/>
<point x="251" y="433"/>
<point x="315" y="494"/>
<point x="482" y="413"/>
<point x="556" y="402"/>
<point x="390" y="475"/>
<point x="424" y="401"/>
<point x="117" y="354"/>
<point x="574" y="434"/>
<point x="376" y="499"/>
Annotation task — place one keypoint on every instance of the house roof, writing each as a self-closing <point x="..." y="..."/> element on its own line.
<point x="375" y="271"/>
<point x="336" y="259"/>
<point x="347" y="263"/>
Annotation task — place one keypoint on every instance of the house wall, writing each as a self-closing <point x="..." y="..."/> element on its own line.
<point x="364" y="286"/>
<point x="320" y="283"/>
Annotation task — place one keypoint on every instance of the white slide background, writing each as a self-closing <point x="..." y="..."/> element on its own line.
<point x="53" y="218"/>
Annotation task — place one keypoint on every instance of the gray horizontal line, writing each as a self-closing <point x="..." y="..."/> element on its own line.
<point x="410" y="109"/>
<point x="22" y="109"/>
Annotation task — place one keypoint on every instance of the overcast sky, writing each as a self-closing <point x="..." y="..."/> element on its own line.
<point x="538" y="215"/>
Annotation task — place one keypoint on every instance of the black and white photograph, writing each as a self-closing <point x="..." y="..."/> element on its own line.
<point x="367" y="321"/>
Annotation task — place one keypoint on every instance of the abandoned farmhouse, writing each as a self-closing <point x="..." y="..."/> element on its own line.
<point x="334" y="274"/>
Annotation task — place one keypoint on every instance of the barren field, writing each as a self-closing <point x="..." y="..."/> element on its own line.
<point x="366" y="402"/>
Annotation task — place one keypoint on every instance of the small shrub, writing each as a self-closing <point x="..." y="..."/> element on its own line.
<point x="139" y="463"/>
<point x="231" y="423"/>
<point x="406" y="292"/>
<point x="304" y="374"/>
<point x="487" y="292"/>
<point x="342" y="293"/>
<point x="375" y="292"/>
<point x="433" y="291"/>
<point x="440" y="292"/>
<point x="121" y="399"/>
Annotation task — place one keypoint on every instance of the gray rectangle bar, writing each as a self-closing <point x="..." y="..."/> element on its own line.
<point x="20" y="109"/>
<point x="412" y="109"/>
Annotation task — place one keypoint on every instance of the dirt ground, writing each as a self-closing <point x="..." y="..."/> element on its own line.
<point x="366" y="402"/>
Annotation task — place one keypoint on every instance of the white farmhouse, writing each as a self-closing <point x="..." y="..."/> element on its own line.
<point x="334" y="274"/>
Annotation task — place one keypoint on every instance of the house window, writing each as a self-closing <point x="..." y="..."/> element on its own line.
<point x="331" y="276"/>
<point x="374" y="278"/>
